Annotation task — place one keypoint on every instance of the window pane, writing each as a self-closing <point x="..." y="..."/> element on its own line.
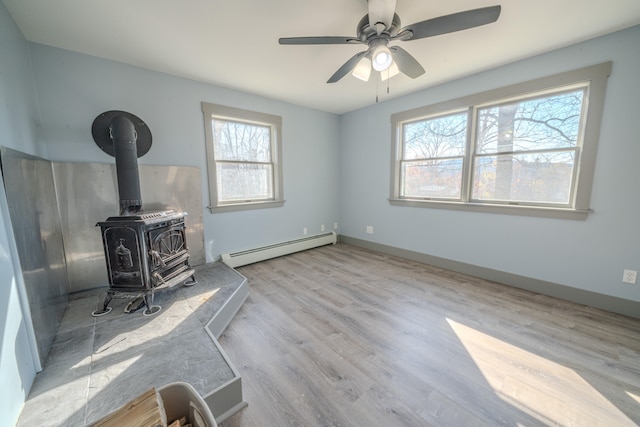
<point x="244" y="181"/>
<point x="544" y="123"/>
<point x="241" y="141"/>
<point x="432" y="178"/>
<point x="539" y="177"/>
<point x="438" y="137"/>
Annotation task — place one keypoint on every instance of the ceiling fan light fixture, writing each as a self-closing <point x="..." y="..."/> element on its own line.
<point x="392" y="71"/>
<point x="362" y="71"/>
<point x="382" y="58"/>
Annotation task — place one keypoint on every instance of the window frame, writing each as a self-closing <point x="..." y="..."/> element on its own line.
<point x="274" y="123"/>
<point x="593" y="77"/>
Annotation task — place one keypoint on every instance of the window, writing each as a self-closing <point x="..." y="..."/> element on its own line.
<point x="243" y="158"/>
<point x="524" y="149"/>
<point x="433" y="156"/>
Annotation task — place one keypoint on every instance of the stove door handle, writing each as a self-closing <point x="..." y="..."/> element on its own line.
<point x="157" y="259"/>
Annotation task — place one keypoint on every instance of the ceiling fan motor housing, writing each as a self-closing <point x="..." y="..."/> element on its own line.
<point x="365" y="32"/>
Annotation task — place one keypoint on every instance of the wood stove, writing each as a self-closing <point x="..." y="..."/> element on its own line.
<point x="145" y="251"/>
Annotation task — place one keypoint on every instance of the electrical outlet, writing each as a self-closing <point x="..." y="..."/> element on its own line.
<point x="629" y="276"/>
<point x="321" y="227"/>
<point x="335" y="225"/>
<point x="369" y="229"/>
<point x="305" y="231"/>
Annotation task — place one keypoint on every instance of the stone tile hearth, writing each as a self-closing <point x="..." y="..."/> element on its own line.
<point x="97" y="364"/>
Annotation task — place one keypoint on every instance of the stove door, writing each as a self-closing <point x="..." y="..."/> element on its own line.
<point x="166" y="245"/>
<point x="122" y="248"/>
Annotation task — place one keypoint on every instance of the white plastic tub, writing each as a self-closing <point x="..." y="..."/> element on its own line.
<point x="182" y="400"/>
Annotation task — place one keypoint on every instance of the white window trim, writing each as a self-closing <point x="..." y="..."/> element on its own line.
<point x="595" y="75"/>
<point x="229" y="113"/>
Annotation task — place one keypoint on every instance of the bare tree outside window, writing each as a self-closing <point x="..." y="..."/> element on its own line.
<point x="433" y="154"/>
<point x="526" y="150"/>
<point x="244" y="158"/>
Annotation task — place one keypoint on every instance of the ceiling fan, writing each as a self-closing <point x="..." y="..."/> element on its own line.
<point x="380" y="26"/>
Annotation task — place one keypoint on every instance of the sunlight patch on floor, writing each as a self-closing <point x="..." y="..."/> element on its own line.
<point x="542" y="388"/>
<point x="206" y="297"/>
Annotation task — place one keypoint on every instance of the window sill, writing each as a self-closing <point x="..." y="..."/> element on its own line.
<point x="245" y="206"/>
<point x="542" y="212"/>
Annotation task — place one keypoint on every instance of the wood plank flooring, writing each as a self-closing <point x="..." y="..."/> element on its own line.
<point x="342" y="336"/>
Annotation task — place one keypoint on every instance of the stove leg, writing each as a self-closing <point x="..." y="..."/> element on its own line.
<point x="151" y="309"/>
<point x="192" y="281"/>
<point x="105" y="308"/>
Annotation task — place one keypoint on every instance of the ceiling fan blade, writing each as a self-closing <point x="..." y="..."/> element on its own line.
<point x="450" y="23"/>
<point x="381" y="12"/>
<point x="406" y="63"/>
<point x="318" y="40"/>
<point x="347" y="67"/>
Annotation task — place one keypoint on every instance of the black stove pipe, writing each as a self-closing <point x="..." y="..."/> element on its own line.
<point x="123" y="135"/>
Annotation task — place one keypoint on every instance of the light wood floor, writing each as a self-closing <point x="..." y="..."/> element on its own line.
<point x="341" y="336"/>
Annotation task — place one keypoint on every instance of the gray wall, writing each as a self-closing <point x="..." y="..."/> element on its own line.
<point x="18" y="129"/>
<point x="588" y="255"/>
<point x="74" y="88"/>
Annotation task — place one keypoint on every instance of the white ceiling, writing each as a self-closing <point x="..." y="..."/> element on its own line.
<point x="234" y="43"/>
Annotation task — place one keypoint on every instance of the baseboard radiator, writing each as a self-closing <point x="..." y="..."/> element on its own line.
<point x="250" y="256"/>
